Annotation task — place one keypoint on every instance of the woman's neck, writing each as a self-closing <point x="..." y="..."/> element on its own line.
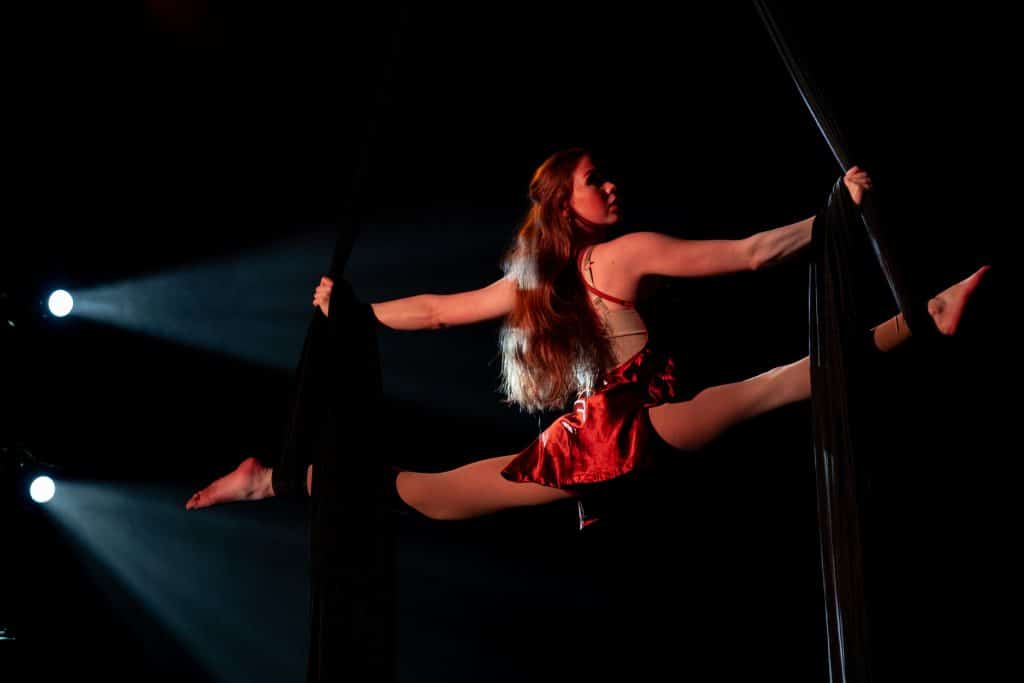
<point x="589" y="233"/>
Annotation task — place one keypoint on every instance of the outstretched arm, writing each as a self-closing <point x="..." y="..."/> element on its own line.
<point x="435" y="311"/>
<point x="649" y="253"/>
<point x="774" y="246"/>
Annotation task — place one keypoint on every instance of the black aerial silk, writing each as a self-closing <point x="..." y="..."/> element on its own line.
<point x="840" y="352"/>
<point x="334" y="425"/>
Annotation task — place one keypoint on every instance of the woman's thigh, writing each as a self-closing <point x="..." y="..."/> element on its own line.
<point x="473" y="490"/>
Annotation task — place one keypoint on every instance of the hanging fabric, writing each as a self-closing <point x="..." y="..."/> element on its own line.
<point x="333" y="425"/>
<point x="838" y="354"/>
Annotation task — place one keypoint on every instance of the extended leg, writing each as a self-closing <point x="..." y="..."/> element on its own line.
<point x="945" y="309"/>
<point x="478" y="488"/>
<point x="472" y="490"/>
<point x="690" y="425"/>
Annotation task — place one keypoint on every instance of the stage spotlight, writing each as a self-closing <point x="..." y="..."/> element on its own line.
<point x="42" y="489"/>
<point x="19" y="466"/>
<point x="60" y="303"/>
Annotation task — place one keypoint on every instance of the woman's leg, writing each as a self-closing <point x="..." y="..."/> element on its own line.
<point x="472" y="490"/>
<point x="945" y="308"/>
<point x="690" y="425"/>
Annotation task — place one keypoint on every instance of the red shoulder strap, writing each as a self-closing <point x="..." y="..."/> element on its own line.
<point x="595" y="290"/>
<point x="609" y="297"/>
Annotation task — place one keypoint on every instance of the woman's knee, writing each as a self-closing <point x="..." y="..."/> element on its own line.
<point x="676" y="427"/>
<point x="412" y="489"/>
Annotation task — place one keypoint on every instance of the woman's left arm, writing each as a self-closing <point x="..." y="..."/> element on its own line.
<point x="773" y="246"/>
<point x="652" y="253"/>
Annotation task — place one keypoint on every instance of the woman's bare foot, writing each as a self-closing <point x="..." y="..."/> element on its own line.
<point x="250" y="481"/>
<point x="948" y="306"/>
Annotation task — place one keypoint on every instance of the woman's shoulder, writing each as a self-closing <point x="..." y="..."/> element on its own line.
<point x="633" y="237"/>
<point x="628" y="243"/>
<point x="612" y="261"/>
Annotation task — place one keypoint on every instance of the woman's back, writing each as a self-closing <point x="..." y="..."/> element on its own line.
<point x="625" y="328"/>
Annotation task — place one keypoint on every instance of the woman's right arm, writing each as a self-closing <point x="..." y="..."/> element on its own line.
<point x="436" y="311"/>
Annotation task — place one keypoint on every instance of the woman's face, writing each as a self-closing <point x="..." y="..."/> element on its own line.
<point x="593" y="195"/>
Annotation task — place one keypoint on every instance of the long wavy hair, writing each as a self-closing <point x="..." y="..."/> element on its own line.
<point x="553" y="344"/>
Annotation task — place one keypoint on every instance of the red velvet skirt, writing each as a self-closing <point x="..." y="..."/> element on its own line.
<point x="608" y="433"/>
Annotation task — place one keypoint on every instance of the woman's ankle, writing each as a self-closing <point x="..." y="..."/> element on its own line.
<point x="889" y="335"/>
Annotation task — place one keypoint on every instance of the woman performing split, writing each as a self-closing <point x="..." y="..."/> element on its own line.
<point x="572" y="332"/>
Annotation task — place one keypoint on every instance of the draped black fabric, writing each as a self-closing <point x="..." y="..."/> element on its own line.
<point x="836" y="367"/>
<point x="334" y="426"/>
<point x="309" y="404"/>
<point x="840" y="353"/>
<point x="352" y="528"/>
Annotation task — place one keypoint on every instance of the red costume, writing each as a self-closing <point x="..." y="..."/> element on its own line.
<point x="609" y="432"/>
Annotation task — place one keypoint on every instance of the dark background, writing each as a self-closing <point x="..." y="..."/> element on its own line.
<point x="174" y="134"/>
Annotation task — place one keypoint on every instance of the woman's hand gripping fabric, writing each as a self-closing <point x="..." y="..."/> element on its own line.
<point x="322" y="294"/>
<point x="857" y="182"/>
